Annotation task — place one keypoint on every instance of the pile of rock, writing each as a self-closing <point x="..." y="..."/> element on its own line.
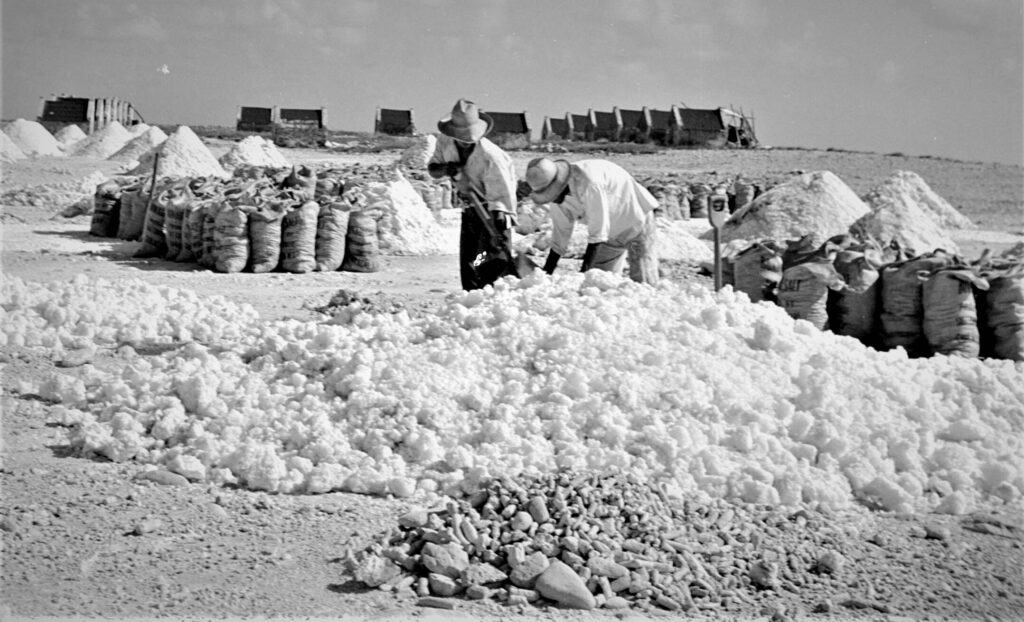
<point x="586" y="541"/>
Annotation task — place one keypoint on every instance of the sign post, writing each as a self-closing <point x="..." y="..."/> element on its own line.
<point x="718" y="211"/>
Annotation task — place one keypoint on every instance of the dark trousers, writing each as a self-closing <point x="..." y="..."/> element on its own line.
<point x="477" y="273"/>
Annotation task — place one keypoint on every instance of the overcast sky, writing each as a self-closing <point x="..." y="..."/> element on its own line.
<point x="921" y="77"/>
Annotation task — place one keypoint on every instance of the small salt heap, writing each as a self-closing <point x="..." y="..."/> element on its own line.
<point x="9" y="150"/>
<point x="817" y="204"/>
<point x="69" y="136"/>
<point x="904" y="189"/>
<point x="254" y="151"/>
<point x="139" y="146"/>
<point x="32" y="138"/>
<point x="183" y="154"/>
<point x="103" y="143"/>
<point x="140" y="128"/>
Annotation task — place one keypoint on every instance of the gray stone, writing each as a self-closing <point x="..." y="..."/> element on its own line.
<point x="442" y="585"/>
<point x="521" y="521"/>
<point x="478" y="592"/>
<point x="616" y="602"/>
<point x="538" y="509"/>
<point x="375" y="571"/>
<point x="560" y="584"/>
<point x="414" y="518"/>
<point x="435" y="602"/>
<point x="764" y="575"/>
<point x="525" y="574"/>
<point x="604" y="567"/>
<point x="482" y="574"/>
<point x="165" y="478"/>
<point x="831" y="562"/>
<point x="447" y="559"/>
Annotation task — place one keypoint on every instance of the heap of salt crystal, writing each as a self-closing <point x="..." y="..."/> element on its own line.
<point x="906" y="223"/>
<point x="254" y="151"/>
<point x="140" y="145"/>
<point x="69" y="135"/>
<point x="183" y="154"/>
<point x="103" y="143"/>
<point x="32" y="138"/>
<point x="906" y="188"/>
<point x="9" y="150"/>
<point x="139" y="128"/>
<point x="818" y="204"/>
<point x="417" y="156"/>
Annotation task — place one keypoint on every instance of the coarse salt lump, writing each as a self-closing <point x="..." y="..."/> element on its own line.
<point x="32" y="138"/>
<point x="254" y="151"/>
<point x="818" y="204"/>
<point x="103" y="143"/>
<point x="140" y="145"/>
<point x="906" y="188"/>
<point x="9" y="150"/>
<point x="183" y="154"/>
<point x="69" y="135"/>
<point x="703" y="391"/>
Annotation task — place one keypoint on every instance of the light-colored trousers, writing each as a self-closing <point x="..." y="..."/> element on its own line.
<point x="639" y="251"/>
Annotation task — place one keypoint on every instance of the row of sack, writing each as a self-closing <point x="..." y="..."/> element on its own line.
<point x="259" y="221"/>
<point x="888" y="297"/>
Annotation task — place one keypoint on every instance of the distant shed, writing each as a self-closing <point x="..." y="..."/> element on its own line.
<point x="511" y="129"/>
<point x="634" y="126"/>
<point x="580" y="124"/>
<point x="90" y="114"/>
<point x="253" y="119"/>
<point x="605" y="125"/>
<point x="556" y="128"/>
<point x="394" y="122"/>
<point x="665" y="126"/>
<point x="719" y="127"/>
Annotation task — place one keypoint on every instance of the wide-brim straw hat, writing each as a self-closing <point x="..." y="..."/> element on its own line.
<point x="547" y="179"/>
<point x="466" y="122"/>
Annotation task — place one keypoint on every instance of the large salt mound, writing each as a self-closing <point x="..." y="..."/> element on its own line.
<point x="103" y="143"/>
<point x="69" y="136"/>
<point x="906" y="188"/>
<point x="183" y="154"/>
<point x="254" y="151"/>
<point x="140" y="128"/>
<point x="676" y="242"/>
<point x="139" y="146"/>
<point x="32" y="138"/>
<point x="704" y="392"/>
<point x="906" y="223"/>
<point x="816" y="203"/>
<point x="9" y="150"/>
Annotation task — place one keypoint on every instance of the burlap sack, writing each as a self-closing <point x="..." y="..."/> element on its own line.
<point x="106" y="210"/>
<point x="362" y="248"/>
<point x="1001" y="311"/>
<point x="803" y="291"/>
<point x="231" y="238"/>
<point x="853" y="309"/>
<point x="902" y="308"/>
<point x="950" y="321"/>
<point x="331" y="229"/>
<point x="178" y="202"/>
<point x="298" y="237"/>
<point x="265" y="235"/>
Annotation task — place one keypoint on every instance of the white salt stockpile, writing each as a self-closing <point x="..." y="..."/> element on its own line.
<point x="140" y="128"/>
<point x="418" y="155"/>
<point x="69" y="136"/>
<point x="906" y="188"/>
<point x="9" y="150"/>
<point x="183" y="154"/>
<point x="32" y="138"/>
<point x="676" y="242"/>
<point x="705" y="392"/>
<point x="103" y="143"/>
<point x="406" y="226"/>
<point x="816" y="203"/>
<point x="906" y="223"/>
<point x="140" y="145"/>
<point x="254" y="151"/>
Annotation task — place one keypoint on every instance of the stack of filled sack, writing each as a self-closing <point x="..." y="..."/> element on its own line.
<point x="264" y="219"/>
<point x="889" y="296"/>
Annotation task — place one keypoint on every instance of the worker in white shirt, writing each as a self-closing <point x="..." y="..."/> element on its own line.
<point x="619" y="213"/>
<point x="480" y="171"/>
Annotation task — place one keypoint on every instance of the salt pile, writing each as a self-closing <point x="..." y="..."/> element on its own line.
<point x="254" y="151"/>
<point x="906" y="223"/>
<point x="904" y="189"/>
<point x="706" y="393"/>
<point x="406" y="226"/>
<point x="418" y="155"/>
<point x="676" y="242"/>
<point x="32" y="138"/>
<point x="139" y="146"/>
<point x="816" y="203"/>
<point x="103" y="143"/>
<point x="69" y="135"/>
<point x="183" y="154"/>
<point x="140" y="128"/>
<point x="9" y="150"/>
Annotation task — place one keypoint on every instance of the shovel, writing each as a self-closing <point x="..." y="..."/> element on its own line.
<point x="502" y="262"/>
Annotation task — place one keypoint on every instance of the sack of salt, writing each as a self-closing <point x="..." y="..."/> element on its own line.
<point x="950" y="320"/>
<point x="298" y="236"/>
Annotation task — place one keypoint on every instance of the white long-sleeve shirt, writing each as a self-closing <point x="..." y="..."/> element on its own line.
<point x="613" y="204"/>
<point x="488" y="169"/>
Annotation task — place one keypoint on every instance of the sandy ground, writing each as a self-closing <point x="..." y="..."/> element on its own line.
<point x="86" y="539"/>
